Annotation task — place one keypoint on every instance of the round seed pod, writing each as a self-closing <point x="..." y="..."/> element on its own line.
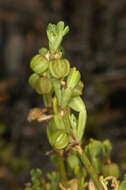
<point x="39" y="64"/>
<point x="33" y="79"/>
<point x="44" y="85"/>
<point x="59" y="68"/>
<point x="111" y="170"/>
<point x="60" y="139"/>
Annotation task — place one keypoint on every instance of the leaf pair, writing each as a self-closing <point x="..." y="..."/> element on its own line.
<point x="78" y="126"/>
<point x="55" y="35"/>
<point x="99" y="153"/>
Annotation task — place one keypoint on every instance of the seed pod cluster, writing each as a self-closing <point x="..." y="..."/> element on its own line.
<point x="61" y="88"/>
<point x="42" y="85"/>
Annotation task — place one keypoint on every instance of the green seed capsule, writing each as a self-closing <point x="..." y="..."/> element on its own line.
<point x="39" y="64"/>
<point x="60" y="139"/>
<point x="111" y="170"/>
<point x="59" y="68"/>
<point x="44" y="85"/>
<point x="33" y="79"/>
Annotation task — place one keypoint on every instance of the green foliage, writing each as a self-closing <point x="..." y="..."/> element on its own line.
<point x="73" y="161"/>
<point x="73" y="78"/>
<point x="55" y="80"/>
<point x="35" y="178"/>
<point x="54" y="180"/>
<point x="99" y="154"/>
<point x="35" y="175"/>
<point x="61" y="88"/>
<point x="55" y="34"/>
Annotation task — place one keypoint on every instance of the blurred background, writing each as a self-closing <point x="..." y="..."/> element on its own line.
<point x="96" y="45"/>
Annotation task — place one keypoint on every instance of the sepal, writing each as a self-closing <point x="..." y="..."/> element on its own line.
<point x="73" y="78"/>
<point x="66" y="96"/>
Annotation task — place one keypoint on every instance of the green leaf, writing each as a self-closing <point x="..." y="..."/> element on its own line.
<point x="57" y="89"/>
<point x="73" y="78"/>
<point x="66" y="30"/>
<point x="95" y="148"/>
<point x="66" y="96"/>
<point x="77" y="104"/>
<point x="95" y="151"/>
<point x="107" y="148"/>
<point x="43" y="51"/>
<point x="55" y="35"/>
<point x="67" y="122"/>
<point x="51" y="129"/>
<point x="77" y="91"/>
<point x="55" y="105"/>
<point x="59" y="122"/>
<point x="36" y="172"/>
<point x="60" y="26"/>
<point x="73" y="122"/>
<point x="81" y="125"/>
<point x="73" y="161"/>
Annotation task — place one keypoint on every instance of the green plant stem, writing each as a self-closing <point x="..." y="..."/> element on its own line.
<point x="62" y="170"/>
<point x="91" y="171"/>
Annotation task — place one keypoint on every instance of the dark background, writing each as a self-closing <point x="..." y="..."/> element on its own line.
<point x="96" y="45"/>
